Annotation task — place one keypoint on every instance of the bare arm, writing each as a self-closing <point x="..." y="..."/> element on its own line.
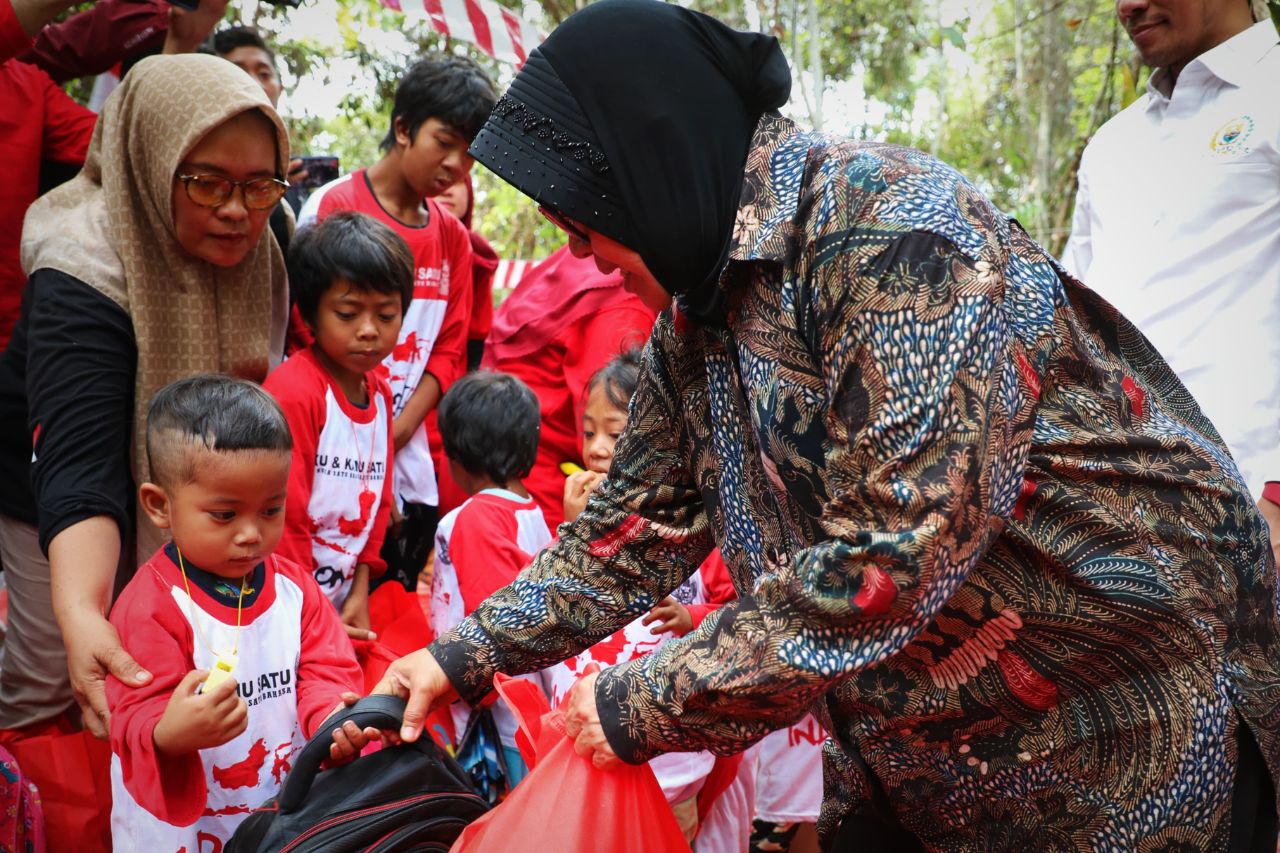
<point x="425" y="398"/>
<point x="82" y="567"/>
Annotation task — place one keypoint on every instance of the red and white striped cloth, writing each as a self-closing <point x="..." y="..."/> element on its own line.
<point x="509" y="273"/>
<point x="497" y="31"/>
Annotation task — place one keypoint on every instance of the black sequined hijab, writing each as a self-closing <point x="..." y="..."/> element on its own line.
<point x="634" y="118"/>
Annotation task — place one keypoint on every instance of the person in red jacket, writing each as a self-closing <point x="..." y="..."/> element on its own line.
<point x="459" y="200"/>
<point x="564" y="322"/>
<point x="38" y="122"/>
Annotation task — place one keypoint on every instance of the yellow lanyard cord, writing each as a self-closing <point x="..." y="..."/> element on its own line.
<point x="191" y="604"/>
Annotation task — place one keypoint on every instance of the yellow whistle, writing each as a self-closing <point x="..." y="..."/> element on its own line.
<point x="221" y="670"/>
<point x="570" y="468"/>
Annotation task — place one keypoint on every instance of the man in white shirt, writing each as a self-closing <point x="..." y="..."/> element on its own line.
<point x="1177" y="219"/>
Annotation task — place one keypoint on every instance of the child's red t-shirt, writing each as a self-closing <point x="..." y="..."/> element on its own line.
<point x="433" y="338"/>
<point x="340" y="477"/>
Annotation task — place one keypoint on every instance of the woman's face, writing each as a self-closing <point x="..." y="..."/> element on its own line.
<point x="240" y="149"/>
<point x="611" y="255"/>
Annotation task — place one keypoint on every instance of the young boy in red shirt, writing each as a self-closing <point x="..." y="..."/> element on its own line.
<point x="489" y="426"/>
<point x="352" y="281"/>
<point x="440" y="104"/>
<point x="248" y="657"/>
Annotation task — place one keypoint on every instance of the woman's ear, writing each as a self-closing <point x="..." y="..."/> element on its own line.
<point x="155" y="503"/>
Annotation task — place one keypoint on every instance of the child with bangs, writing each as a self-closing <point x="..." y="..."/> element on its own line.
<point x="439" y="105"/>
<point x="352" y="278"/>
<point x="489" y="424"/>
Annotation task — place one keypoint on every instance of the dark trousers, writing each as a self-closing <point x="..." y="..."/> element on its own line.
<point x="1253" y="801"/>
<point x="1253" y="813"/>
<point x="406" y="554"/>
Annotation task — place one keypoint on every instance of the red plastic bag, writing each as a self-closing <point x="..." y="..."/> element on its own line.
<point x="396" y="616"/>
<point x="374" y="658"/>
<point x="73" y="775"/>
<point x="566" y="803"/>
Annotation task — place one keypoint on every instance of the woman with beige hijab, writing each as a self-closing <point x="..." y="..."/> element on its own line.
<point x="152" y="264"/>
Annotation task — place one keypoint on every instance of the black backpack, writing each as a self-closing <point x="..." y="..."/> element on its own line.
<point x="411" y="797"/>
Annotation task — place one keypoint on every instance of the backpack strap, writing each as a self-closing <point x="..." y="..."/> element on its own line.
<point x="379" y="711"/>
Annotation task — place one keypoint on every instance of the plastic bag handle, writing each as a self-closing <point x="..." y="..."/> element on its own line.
<point x="379" y="711"/>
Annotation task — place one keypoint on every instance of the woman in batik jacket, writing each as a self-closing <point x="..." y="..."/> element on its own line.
<point x="974" y="521"/>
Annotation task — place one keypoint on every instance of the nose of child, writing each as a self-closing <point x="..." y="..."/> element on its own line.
<point x="248" y="534"/>
<point x="597" y="454"/>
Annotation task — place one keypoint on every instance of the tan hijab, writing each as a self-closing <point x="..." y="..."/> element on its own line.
<point x="112" y="228"/>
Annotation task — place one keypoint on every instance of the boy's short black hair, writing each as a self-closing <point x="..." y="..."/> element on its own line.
<point x="353" y="247"/>
<point x="489" y="424"/>
<point x="619" y="378"/>
<point x="452" y="89"/>
<point x="231" y="38"/>
<point x="212" y="411"/>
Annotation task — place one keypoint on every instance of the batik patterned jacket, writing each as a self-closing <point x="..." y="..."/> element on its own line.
<point x="974" y="520"/>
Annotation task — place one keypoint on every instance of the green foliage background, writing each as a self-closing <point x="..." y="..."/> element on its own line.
<point x="1007" y="91"/>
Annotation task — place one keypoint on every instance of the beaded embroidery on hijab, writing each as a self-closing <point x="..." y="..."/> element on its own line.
<point x="645" y="146"/>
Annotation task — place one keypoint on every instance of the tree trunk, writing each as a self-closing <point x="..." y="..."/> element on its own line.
<point x="815" y="63"/>
<point x="1051" y="83"/>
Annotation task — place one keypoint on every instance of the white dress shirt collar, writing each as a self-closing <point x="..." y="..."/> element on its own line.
<point x="1231" y="62"/>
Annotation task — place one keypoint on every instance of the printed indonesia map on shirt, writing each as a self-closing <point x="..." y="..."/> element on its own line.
<point x="433" y="335"/>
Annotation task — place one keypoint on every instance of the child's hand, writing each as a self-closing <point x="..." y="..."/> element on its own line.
<point x="350" y="738"/>
<point x="577" y="488"/>
<point x="669" y="615"/>
<point x="355" y="616"/>
<point x="194" y="721"/>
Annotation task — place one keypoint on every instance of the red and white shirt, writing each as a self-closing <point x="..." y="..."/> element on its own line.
<point x="480" y="547"/>
<point x="433" y="337"/>
<point x="295" y="661"/>
<point x="339" y="480"/>
<point x="702" y="592"/>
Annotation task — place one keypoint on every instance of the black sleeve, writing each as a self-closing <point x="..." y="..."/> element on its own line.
<point x="475" y="354"/>
<point x="81" y="362"/>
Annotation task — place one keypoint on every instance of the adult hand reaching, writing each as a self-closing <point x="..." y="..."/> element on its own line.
<point x="188" y="29"/>
<point x="582" y="724"/>
<point x="93" y="651"/>
<point x="418" y="679"/>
